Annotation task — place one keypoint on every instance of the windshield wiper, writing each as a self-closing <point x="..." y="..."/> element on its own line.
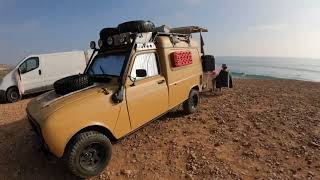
<point x="102" y="69"/>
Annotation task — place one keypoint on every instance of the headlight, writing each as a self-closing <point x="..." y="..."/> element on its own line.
<point x="100" y="43"/>
<point x="110" y="41"/>
<point x="122" y="38"/>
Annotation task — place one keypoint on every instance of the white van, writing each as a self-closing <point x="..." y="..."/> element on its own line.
<point x="37" y="73"/>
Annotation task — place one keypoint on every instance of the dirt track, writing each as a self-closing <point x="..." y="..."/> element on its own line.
<point x="267" y="129"/>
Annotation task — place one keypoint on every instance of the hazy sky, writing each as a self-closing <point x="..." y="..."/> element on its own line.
<point x="289" y="28"/>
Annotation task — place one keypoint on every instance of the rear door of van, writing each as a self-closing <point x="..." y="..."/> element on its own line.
<point x="32" y="79"/>
<point x="58" y="66"/>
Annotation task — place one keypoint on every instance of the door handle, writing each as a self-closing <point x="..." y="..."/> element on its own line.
<point x="39" y="71"/>
<point x="161" y="81"/>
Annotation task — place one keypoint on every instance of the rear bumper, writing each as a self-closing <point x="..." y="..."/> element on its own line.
<point x="2" y="96"/>
<point x="38" y="140"/>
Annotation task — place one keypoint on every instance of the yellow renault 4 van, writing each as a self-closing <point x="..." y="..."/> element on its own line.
<point x="137" y="75"/>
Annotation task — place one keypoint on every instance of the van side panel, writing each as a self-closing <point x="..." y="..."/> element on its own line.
<point x="181" y="79"/>
<point x="57" y="66"/>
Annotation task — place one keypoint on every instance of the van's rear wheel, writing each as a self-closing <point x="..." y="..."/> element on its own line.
<point x="191" y="104"/>
<point x="88" y="154"/>
<point x="13" y="95"/>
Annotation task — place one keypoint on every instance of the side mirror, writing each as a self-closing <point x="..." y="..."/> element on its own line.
<point x="141" y="73"/>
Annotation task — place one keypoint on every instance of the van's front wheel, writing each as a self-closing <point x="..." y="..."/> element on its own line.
<point x="13" y="95"/>
<point x="191" y="104"/>
<point x="88" y="154"/>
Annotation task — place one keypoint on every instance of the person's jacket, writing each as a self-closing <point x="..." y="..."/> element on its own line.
<point x="224" y="79"/>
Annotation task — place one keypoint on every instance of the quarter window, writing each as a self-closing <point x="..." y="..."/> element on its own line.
<point x="29" y="65"/>
<point x="148" y="62"/>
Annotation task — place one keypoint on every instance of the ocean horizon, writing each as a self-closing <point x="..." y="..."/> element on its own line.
<point x="306" y="69"/>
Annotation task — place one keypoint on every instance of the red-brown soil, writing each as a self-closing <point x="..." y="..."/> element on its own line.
<point x="264" y="129"/>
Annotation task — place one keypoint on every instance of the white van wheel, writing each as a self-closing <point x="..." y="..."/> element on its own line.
<point x="13" y="95"/>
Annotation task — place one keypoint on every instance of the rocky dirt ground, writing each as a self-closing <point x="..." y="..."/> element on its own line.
<point x="262" y="129"/>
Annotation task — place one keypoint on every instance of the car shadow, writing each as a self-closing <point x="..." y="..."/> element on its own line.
<point x="173" y="114"/>
<point x="20" y="159"/>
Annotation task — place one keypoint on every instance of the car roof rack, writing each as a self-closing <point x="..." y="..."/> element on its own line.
<point x="184" y="32"/>
<point x="179" y="37"/>
<point x="188" y="30"/>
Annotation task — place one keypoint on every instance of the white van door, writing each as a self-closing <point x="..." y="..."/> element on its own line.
<point x="57" y="66"/>
<point x="31" y="75"/>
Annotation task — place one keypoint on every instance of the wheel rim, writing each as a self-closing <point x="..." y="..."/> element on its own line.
<point x="14" y="95"/>
<point x="93" y="156"/>
<point x="194" y="101"/>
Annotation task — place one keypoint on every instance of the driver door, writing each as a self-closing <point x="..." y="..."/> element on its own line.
<point x="31" y="75"/>
<point x="147" y="97"/>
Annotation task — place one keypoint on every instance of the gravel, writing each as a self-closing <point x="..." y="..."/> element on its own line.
<point x="261" y="129"/>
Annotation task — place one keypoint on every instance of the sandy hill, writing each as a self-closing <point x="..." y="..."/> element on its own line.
<point x="4" y="67"/>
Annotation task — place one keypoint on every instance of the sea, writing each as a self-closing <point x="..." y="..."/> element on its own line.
<point x="305" y="69"/>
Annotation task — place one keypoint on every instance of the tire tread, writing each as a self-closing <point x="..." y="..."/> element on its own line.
<point x="187" y="104"/>
<point x="72" y="83"/>
<point x="71" y="151"/>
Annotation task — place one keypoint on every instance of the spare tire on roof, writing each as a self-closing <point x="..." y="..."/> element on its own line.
<point x="107" y="32"/>
<point x="136" y="26"/>
<point x="72" y="83"/>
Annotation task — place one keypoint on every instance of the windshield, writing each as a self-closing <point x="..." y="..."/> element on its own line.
<point x="110" y="64"/>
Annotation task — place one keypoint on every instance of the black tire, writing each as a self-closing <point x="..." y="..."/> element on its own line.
<point x="72" y="83"/>
<point x="191" y="104"/>
<point x="88" y="154"/>
<point x="208" y="63"/>
<point x="136" y="26"/>
<point x="13" y="95"/>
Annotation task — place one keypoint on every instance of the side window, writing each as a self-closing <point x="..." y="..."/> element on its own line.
<point x="23" y="67"/>
<point x="29" y="65"/>
<point x="148" y="62"/>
